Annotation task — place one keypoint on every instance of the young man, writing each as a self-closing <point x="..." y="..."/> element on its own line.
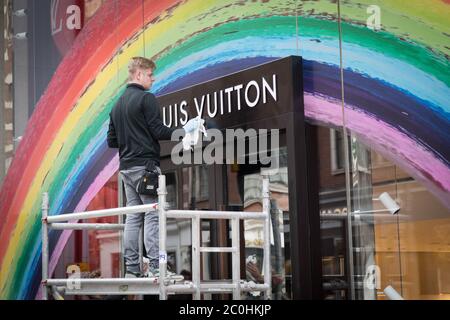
<point x="135" y="128"/>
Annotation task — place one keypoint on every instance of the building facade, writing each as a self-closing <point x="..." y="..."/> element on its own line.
<point x="375" y="81"/>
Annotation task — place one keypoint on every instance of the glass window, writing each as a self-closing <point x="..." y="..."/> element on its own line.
<point x="244" y="190"/>
<point x="195" y="195"/>
<point x="411" y="248"/>
<point x="337" y="151"/>
<point x="178" y="232"/>
<point x="406" y="249"/>
<point x="172" y="191"/>
<point x="195" y="187"/>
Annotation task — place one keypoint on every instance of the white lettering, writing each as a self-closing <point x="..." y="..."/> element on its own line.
<point x="183" y="104"/>
<point x="212" y="114"/>
<point x="228" y="92"/>
<point x="374" y="21"/>
<point x="175" y="118"/>
<point x="74" y="20"/>
<point x="185" y="157"/>
<point x="167" y="123"/>
<point x="373" y="277"/>
<point x="216" y="147"/>
<point x="221" y="102"/>
<point x="272" y="91"/>
<point x="238" y="94"/>
<point x="54" y="15"/>
<point x="211" y="103"/>
<point x="207" y="311"/>
<point x="199" y="109"/>
<point x="213" y="153"/>
<point x="247" y="89"/>
<point x="74" y="276"/>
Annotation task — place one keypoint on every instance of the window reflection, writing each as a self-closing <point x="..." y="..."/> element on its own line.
<point x="195" y="187"/>
<point x="244" y="193"/>
<point x="408" y="251"/>
<point x="195" y="196"/>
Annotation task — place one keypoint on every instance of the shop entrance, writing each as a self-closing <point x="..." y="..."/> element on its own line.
<point x="233" y="187"/>
<point x="272" y="105"/>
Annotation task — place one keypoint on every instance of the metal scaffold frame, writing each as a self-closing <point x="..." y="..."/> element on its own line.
<point x="162" y="286"/>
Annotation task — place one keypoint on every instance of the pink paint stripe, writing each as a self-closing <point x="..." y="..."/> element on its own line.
<point x="92" y="191"/>
<point x="410" y="155"/>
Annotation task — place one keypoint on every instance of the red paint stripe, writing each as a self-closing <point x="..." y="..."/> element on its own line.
<point x="75" y="72"/>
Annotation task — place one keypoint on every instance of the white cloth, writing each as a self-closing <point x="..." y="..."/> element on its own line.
<point x="191" y="138"/>
<point x="191" y="125"/>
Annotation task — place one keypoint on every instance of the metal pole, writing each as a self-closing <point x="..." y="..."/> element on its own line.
<point x="212" y="214"/>
<point x="278" y="264"/>
<point x="44" y="246"/>
<point x="266" y="210"/>
<point x="141" y="248"/>
<point x="196" y="256"/>
<point x="121" y="220"/>
<point x="350" y="266"/>
<point x="235" y="288"/>
<point x="86" y="226"/>
<point x="162" y="192"/>
<point x="102" y="213"/>
<point x="236" y="259"/>
<point x="103" y="281"/>
<point x="141" y="254"/>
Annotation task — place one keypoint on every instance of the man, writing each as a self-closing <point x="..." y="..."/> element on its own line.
<point x="135" y="128"/>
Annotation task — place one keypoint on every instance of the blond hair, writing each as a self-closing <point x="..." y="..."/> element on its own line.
<point x="139" y="63"/>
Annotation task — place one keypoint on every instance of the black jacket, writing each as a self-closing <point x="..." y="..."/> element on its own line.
<point x="135" y="127"/>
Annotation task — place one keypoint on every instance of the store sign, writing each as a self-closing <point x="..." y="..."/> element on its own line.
<point x="260" y="92"/>
<point x="66" y="21"/>
<point x="219" y="102"/>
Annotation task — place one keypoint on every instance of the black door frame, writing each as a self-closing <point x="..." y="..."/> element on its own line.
<point x="303" y="200"/>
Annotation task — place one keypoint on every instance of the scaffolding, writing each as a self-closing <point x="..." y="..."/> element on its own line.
<point x="162" y="285"/>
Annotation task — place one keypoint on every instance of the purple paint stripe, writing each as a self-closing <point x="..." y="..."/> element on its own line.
<point x="413" y="157"/>
<point x="90" y="193"/>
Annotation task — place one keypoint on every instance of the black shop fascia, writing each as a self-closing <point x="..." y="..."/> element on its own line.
<point x="267" y="96"/>
<point x="261" y="92"/>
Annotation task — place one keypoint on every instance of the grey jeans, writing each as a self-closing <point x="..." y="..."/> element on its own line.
<point x="135" y="221"/>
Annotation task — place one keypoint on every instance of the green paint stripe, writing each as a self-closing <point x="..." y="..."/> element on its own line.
<point x="380" y="42"/>
<point x="421" y="21"/>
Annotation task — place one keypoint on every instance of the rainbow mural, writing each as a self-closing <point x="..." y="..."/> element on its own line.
<point x="397" y="93"/>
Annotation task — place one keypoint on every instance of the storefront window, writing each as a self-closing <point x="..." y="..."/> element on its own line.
<point x="406" y="249"/>
<point x="178" y="231"/>
<point x="244" y="192"/>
